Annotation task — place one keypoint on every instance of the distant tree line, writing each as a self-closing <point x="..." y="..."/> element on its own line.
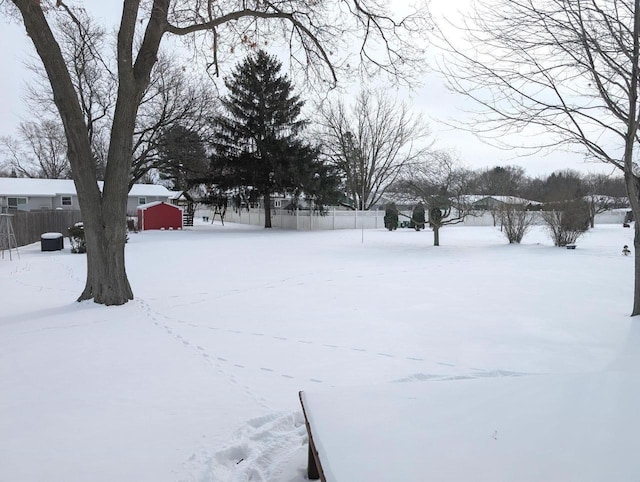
<point x="557" y="186"/>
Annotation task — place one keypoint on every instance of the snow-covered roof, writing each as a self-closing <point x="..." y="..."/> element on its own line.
<point x="474" y="198"/>
<point x="399" y="198"/>
<point x="12" y="186"/>
<point x="604" y="199"/>
<point x="155" y="203"/>
<point x="147" y="190"/>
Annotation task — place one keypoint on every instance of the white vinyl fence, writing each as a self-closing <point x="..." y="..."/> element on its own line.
<point x="340" y="219"/>
<point x="308" y="220"/>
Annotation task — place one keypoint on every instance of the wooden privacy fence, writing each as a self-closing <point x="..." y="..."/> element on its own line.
<point x="29" y="225"/>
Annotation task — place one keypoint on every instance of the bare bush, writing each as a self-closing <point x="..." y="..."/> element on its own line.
<point x="515" y="221"/>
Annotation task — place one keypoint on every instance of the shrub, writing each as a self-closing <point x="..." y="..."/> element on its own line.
<point x="391" y="217"/>
<point x="567" y="221"/>
<point x="515" y="221"/>
<point x="76" y="238"/>
<point x="417" y="217"/>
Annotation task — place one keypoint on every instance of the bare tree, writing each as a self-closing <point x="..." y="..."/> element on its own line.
<point x="515" y="221"/>
<point x="172" y="100"/>
<point x="6" y="170"/>
<point x="39" y="151"/>
<point x="315" y="32"/>
<point x="371" y="142"/>
<point x="567" y="68"/>
<point x="83" y="45"/>
<point x="442" y="185"/>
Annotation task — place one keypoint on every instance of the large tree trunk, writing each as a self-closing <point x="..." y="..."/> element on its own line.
<point x="107" y="281"/>
<point x="632" y="181"/>
<point x="267" y="210"/>
<point x="103" y="212"/>
<point x="633" y="189"/>
<point x="636" y="286"/>
<point x="436" y="235"/>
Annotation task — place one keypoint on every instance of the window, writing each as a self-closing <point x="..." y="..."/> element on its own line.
<point x="277" y="203"/>
<point x="142" y="200"/>
<point x="66" y="200"/>
<point x="15" y="202"/>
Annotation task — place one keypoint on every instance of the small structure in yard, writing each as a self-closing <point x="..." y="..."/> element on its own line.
<point x="7" y="236"/>
<point x="159" y="215"/>
<point x="51" y="242"/>
<point x="186" y="202"/>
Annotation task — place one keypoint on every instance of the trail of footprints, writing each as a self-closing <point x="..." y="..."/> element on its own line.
<point x="156" y="318"/>
<point x="222" y="365"/>
<point x="26" y="268"/>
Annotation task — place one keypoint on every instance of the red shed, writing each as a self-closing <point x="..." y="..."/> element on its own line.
<point x="159" y="215"/>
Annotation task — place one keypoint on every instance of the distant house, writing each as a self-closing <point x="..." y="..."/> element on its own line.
<point x="25" y="194"/>
<point x="489" y="203"/>
<point x="402" y="200"/>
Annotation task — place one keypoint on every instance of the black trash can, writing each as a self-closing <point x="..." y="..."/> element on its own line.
<point x="51" y="242"/>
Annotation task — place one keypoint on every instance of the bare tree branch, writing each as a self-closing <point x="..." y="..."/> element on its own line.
<point x="371" y="143"/>
<point x="559" y="68"/>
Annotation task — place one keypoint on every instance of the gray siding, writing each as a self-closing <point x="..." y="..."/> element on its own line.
<point x="133" y="203"/>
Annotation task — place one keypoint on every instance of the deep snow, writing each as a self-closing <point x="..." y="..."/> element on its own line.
<point x="197" y="379"/>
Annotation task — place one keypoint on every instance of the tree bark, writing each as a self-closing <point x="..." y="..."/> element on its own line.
<point x="631" y="180"/>
<point x="107" y="281"/>
<point x="636" y="288"/>
<point x="267" y="210"/>
<point x="436" y="235"/>
<point x="633" y="188"/>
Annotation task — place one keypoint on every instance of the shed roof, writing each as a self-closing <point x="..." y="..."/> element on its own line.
<point x="12" y="186"/>
<point x="155" y="203"/>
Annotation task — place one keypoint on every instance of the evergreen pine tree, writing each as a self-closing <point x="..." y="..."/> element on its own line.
<point x="182" y="157"/>
<point x="257" y="146"/>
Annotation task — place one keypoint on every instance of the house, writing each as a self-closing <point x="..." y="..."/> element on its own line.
<point x="490" y="203"/>
<point x="403" y="201"/>
<point x="26" y="194"/>
<point x="159" y="215"/>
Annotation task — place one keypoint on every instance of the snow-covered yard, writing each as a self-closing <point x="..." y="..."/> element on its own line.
<point x="197" y="379"/>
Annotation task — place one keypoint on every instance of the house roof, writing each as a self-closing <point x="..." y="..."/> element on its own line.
<point x="475" y="198"/>
<point x="143" y="207"/>
<point x="181" y="195"/>
<point x="398" y="198"/>
<point x="12" y="186"/>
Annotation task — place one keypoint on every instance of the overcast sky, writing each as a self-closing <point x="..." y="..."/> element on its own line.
<point x="433" y="100"/>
